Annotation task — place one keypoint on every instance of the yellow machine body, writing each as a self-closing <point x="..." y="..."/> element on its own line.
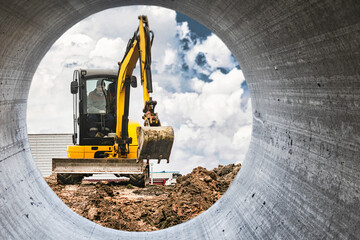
<point x="78" y="151"/>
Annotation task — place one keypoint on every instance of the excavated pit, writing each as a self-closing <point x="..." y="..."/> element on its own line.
<point x="301" y="176"/>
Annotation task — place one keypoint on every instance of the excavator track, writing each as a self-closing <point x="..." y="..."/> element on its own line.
<point x="65" y="178"/>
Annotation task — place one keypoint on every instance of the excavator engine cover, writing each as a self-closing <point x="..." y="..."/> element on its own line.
<point x="155" y="142"/>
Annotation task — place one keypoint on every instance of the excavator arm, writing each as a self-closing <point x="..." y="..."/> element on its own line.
<point x="150" y="117"/>
<point x="154" y="141"/>
<point x="126" y="68"/>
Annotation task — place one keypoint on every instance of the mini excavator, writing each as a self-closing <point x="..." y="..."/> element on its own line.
<point x="105" y="140"/>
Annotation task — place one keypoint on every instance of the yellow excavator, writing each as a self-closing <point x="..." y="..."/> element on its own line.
<point x="105" y="140"/>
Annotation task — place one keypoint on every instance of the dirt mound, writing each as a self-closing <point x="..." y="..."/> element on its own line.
<point x="152" y="208"/>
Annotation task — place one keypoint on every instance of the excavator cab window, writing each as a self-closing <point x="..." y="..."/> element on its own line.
<point x="97" y="114"/>
<point x="96" y="91"/>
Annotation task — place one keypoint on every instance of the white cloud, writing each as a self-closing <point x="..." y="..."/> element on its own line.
<point x="216" y="53"/>
<point x="197" y="84"/>
<point x="209" y="122"/>
<point x="214" y="101"/>
<point x="210" y="126"/>
<point x="109" y="48"/>
<point x="183" y="30"/>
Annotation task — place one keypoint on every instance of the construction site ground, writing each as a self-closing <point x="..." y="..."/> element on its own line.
<point x="122" y="206"/>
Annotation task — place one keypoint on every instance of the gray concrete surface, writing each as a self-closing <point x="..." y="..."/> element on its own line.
<point x="301" y="176"/>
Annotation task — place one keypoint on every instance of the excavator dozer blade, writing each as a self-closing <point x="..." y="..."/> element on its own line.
<point x="155" y="142"/>
<point x="97" y="165"/>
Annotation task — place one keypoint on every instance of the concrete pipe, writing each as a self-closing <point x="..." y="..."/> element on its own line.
<point x="301" y="176"/>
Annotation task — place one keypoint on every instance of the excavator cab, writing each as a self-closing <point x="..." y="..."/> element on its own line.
<point x="96" y="108"/>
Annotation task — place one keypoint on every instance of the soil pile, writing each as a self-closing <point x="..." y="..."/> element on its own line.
<point x="128" y="208"/>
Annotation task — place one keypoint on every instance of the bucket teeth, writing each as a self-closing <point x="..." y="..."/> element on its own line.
<point x="155" y="142"/>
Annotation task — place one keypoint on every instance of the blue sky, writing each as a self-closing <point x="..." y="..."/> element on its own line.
<point x="198" y="84"/>
<point x="195" y="27"/>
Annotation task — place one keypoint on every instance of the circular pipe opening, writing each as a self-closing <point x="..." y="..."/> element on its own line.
<point x="201" y="93"/>
<point x="285" y="50"/>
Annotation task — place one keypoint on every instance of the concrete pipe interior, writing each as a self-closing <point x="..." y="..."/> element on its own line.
<point x="301" y="176"/>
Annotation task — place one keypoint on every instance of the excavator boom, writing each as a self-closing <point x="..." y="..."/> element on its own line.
<point x="155" y="142"/>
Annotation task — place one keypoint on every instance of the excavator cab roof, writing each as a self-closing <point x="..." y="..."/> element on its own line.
<point x="90" y="73"/>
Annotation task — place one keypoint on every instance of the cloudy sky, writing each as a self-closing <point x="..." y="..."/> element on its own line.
<point x="200" y="89"/>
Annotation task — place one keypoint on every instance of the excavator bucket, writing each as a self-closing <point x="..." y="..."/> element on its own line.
<point x="155" y="142"/>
